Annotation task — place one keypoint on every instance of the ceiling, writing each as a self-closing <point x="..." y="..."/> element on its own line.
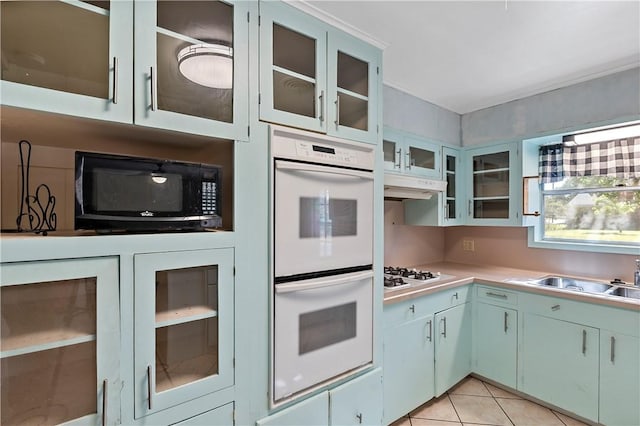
<point x="469" y="55"/>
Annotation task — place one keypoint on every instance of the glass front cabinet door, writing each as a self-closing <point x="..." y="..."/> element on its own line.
<point x="453" y="198"/>
<point x="494" y="177"/>
<point x="183" y="326"/>
<point x="70" y="57"/>
<point x="191" y="66"/>
<point x="315" y="77"/>
<point x="406" y="153"/>
<point x="60" y="342"/>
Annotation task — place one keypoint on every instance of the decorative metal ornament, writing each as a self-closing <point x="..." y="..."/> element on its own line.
<point x="36" y="211"/>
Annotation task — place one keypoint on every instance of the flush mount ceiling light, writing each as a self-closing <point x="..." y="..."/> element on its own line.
<point x="209" y="65"/>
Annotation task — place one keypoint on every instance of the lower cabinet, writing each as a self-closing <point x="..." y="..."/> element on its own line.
<point x="453" y="346"/>
<point x="560" y="362"/>
<point x="619" y="378"/>
<point x="496" y="343"/>
<point x="221" y="416"/>
<point x="60" y="342"/>
<point x="356" y="402"/>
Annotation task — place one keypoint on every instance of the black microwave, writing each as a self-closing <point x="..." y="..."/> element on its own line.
<point x="121" y="193"/>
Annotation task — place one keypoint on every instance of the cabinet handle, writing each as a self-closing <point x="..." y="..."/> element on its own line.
<point x="444" y="333"/>
<point x="555" y="308"/>
<point x="152" y="81"/>
<point x="337" y="121"/>
<point x="114" y="99"/>
<point x="104" y="402"/>
<point x="492" y="294"/>
<point x="446" y="210"/>
<point x="359" y="417"/>
<point x="469" y="208"/>
<point x="408" y="154"/>
<point x="584" y="342"/>
<point x="506" y="323"/>
<point x="321" y="100"/>
<point x="455" y="295"/>
<point x="412" y="308"/>
<point x="430" y="336"/>
<point x="613" y="349"/>
<point x="399" y="156"/>
<point x="149" y="385"/>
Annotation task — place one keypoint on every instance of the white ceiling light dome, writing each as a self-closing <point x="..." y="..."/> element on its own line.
<point x="209" y="65"/>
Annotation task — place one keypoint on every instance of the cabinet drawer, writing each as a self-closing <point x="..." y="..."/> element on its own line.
<point x="220" y="416"/>
<point x="497" y="295"/>
<point x="427" y="304"/>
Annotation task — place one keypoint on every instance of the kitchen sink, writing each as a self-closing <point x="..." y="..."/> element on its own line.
<point x="573" y="284"/>
<point x="633" y="293"/>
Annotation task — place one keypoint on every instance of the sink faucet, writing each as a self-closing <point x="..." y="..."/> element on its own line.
<point x="636" y="275"/>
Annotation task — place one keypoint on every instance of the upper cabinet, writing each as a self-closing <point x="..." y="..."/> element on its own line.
<point x="493" y="181"/>
<point x="69" y="57"/>
<point x="189" y="71"/>
<point x="406" y="153"/>
<point x="315" y="77"/>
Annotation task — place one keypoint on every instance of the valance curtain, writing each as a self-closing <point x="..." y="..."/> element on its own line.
<point x="617" y="158"/>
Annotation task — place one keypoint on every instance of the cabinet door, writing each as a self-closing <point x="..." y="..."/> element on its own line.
<point x="68" y="57"/>
<point x="392" y="149"/>
<point x="560" y="363"/>
<point x="191" y="66"/>
<point x="358" y="401"/>
<point x="421" y="157"/>
<point x="496" y="343"/>
<point x="353" y="88"/>
<point x="453" y="198"/>
<point x="619" y="379"/>
<point x="183" y="326"/>
<point x="453" y="346"/>
<point x="313" y="411"/>
<point x="493" y="181"/>
<point x="221" y="416"/>
<point x="293" y="67"/>
<point x="60" y="342"/>
<point x="408" y="367"/>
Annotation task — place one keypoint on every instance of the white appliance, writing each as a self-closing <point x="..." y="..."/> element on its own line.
<point x="322" y="209"/>
<point x="411" y="187"/>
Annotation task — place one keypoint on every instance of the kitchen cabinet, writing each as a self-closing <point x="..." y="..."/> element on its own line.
<point x="619" y="378"/>
<point x="60" y="342"/>
<point x="77" y="58"/>
<point x="221" y="416"/>
<point x="184" y="315"/>
<point x="315" y="77"/>
<point x="313" y="411"/>
<point x="496" y="342"/>
<point x="452" y="347"/>
<point x="406" y="153"/>
<point x="191" y="67"/>
<point x="560" y="362"/>
<point x="493" y="179"/>
<point x="69" y="57"/>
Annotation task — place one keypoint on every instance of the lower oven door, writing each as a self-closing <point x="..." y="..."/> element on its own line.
<point x="323" y="328"/>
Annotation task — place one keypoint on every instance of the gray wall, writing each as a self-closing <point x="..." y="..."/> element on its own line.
<point x="609" y="99"/>
<point x="403" y="111"/>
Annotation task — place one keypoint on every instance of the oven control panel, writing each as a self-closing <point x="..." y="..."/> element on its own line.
<point x="317" y="152"/>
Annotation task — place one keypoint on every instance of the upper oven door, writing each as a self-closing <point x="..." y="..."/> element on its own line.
<point x="323" y="218"/>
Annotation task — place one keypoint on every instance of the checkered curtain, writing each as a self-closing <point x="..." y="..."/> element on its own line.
<point x="618" y="158"/>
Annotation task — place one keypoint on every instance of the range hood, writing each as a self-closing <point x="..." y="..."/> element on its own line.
<point x="411" y="187"/>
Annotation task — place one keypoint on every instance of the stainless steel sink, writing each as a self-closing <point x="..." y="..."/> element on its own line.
<point x="573" y="284"/>
<point x="633" y="293"/>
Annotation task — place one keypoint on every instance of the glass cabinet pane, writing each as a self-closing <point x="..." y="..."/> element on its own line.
<point x="491" y="209"/>
<point x="491" y="184"/>
<point x="498" y="160"/>
<point x="195" y="49"/>
<point x="69" y="52"/>
<point x="389" y="148"/>
<point x="353" y="77"/>
<point x="186" y="326"/>
<point x="422" y="158"/>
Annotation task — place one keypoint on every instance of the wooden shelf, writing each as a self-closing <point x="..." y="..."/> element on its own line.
<point x="42" y="341"/>
<point x="185" y="314"/>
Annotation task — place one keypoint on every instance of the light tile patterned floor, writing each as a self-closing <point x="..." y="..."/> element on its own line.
<point x="474" y="402"/>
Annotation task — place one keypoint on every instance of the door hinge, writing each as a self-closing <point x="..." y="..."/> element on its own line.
<point x="233" y="416"/>
<point x="378" y="70"/>
<point x="248" y="20"/>
<point x="234" y="271"/>
<point x="377" y="128"/>
<point x="259" y="20"/>
<point x="248" y="131"/>
<point x="259" y="98"/>
<point x="234" y="363"/>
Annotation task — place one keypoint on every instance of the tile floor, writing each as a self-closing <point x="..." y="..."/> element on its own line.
<point x="474" y="402"/>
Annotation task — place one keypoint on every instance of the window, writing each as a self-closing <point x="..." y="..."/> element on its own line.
<point x="591" y="190"/>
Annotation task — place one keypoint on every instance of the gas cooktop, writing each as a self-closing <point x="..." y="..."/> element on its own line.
<point x="396" y="278"/>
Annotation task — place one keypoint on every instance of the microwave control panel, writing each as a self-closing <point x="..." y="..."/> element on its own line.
<point x="209" y="206"/>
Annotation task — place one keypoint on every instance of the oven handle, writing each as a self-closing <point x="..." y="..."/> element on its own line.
<point x="282" y="165"/>
<point x="323" y="282"/>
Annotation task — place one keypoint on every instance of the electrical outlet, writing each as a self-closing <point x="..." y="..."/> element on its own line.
<point x="468" y="245"/>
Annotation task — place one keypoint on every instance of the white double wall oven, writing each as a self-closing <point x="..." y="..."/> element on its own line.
<point x="322" y="216"/>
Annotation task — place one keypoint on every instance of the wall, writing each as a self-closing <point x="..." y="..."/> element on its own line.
<point x="613" y="98"/>
<point x="403" y="111"/>
<point x="502" y="246"/>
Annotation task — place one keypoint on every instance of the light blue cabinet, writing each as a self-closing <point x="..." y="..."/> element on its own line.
<point x="410" y="154"/>
<point x="68" y="57"/>
<point x="191" y="67"/>
<point x="560" y="362"/>
<point x="315" y="77"/>
<point x="313" y="411"/>
<point x="619" y="378"/>
<point x="184" y="315"/>
<point x="408" y="366"/>
<point x="496" y="342"/>
<point x="452" y="346"/>
<point x="493" y="180"/>
<point x="221" y="416"/>
<point x="357" y="402"/>
<point x="60" y="342"/>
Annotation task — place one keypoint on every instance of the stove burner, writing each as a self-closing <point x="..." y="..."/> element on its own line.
<point x="409" y="273"/>
<point x="394" y="282"/>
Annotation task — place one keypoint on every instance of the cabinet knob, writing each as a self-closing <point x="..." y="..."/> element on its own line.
<point x="359" y="417"/>
<point x="412" y="308"/>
